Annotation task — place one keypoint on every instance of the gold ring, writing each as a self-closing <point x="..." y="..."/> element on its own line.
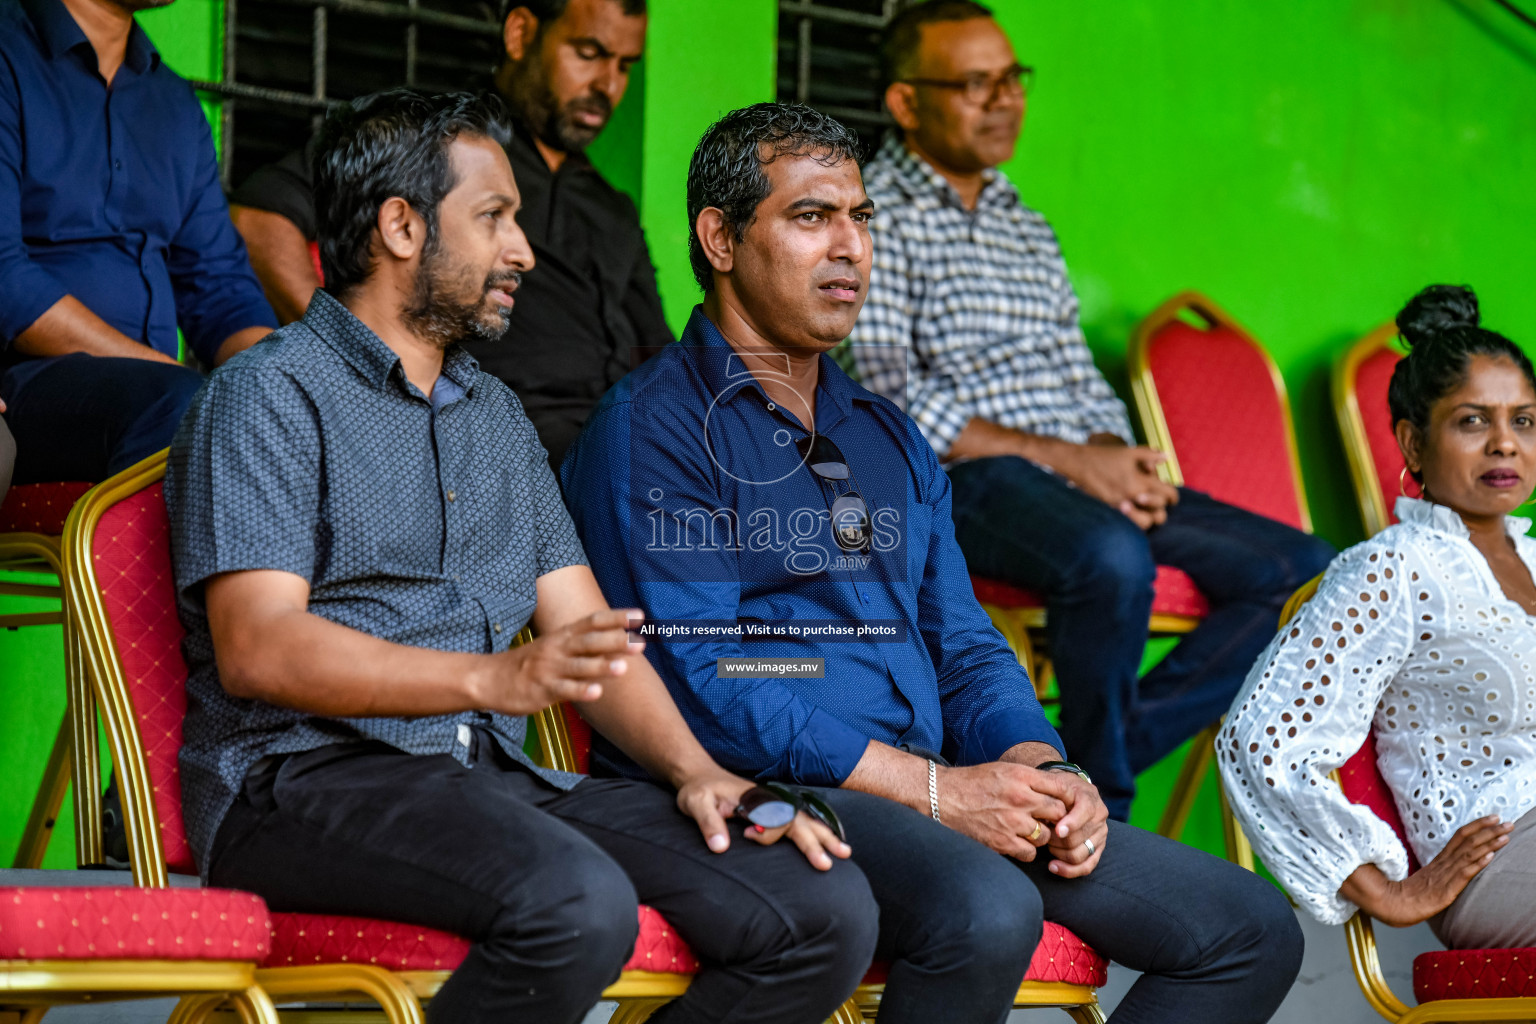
<point x="1035" y="834"/>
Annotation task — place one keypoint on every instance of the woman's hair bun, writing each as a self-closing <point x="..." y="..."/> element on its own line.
<point x="1438" y="309"/>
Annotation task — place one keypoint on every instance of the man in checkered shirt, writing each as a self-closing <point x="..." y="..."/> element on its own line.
<point x="972" y="325"/>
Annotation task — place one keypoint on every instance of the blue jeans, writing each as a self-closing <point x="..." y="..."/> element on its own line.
<point x="1024" y="525"/>
<point x="82" y="417"/>
<point x="959" y="923"/>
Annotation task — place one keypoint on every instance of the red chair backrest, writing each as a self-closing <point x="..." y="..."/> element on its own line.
<point x="1362" y="783"/>
<point x="1227" y="420"/>
<point x="131" y="555"/>
<point x="314" y="257"/>
<point x="1371" y="380"/>
<point x="581" y="737"/>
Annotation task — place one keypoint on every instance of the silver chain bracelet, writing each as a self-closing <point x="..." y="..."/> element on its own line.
<point x="933" y="789"/>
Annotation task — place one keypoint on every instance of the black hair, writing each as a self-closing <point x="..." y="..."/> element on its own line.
<point x="726" y="171"/>
<point x="548" y="10"/>
<point x="1440" y="327"/>
<point x="387" y="144"/>
<point x="904" y="33"/>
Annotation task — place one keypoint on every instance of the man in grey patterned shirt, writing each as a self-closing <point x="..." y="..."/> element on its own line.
<point x="362" y="520"/>
<point x="972" y="325"/>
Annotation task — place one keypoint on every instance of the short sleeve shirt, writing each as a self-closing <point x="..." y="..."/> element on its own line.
<point x="423" y="522"/>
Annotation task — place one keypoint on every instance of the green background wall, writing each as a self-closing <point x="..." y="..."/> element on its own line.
<point x="1308" y="165"/>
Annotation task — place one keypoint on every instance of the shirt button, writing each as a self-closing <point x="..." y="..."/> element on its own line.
<point x="464" y="735"/>
<point x="457" y="578"/>
<point x="450" y="495"/>
<point x="496" y="626"/>
<point x="117" y="165"/>
<point x="866" y="599"/>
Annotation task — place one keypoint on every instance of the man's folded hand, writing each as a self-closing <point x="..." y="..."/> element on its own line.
<point x="570" y="663"/>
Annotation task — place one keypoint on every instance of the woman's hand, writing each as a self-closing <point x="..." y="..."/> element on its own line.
<point x="1436" y="885"/>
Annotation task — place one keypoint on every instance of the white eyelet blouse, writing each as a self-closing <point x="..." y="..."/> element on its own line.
<point x="1409" y="631"/>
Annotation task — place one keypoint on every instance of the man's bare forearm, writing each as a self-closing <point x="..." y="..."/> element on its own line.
<point x="278" y="652"/>
<point x="983" y="439"/>
<point x="893" y="774"/>
<point x="636" y="713"/>
<point x="69" y="326"/>
<point x="239" y="342"/>
<point x="280" y="256"/>
<point x="1030" y="754"/>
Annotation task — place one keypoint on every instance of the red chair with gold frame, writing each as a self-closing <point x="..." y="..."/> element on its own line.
<point x="1199" y="381"/>
<point x="62" y="946"/>
<point x="1452" y="984"/>
<point x="118" y="569"/>
<point x="1360" y="380"/>
<point x="1064" y="972"/>
<point x="31" y="523"/>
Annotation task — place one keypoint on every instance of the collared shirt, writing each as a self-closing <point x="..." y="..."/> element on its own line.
<point x="586" y="315"/>
<point x="970" y="313"/>
<point x="696" y="507"/>
<point x="1420" y="646"/>
<point x="424" y="523"/>
<point x="111" y="194"/>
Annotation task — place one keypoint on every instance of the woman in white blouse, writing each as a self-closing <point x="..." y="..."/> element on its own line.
<point x="1427" y="632"/>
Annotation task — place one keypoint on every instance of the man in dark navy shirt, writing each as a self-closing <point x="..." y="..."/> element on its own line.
<point x="591" y="310"/>
<point x="362" y="521"/>
<point x="741" y="480"/>
<point x="113" y="233"/>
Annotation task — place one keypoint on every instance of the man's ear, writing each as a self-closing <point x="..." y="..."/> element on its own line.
<point x="716" y="239"/>
<point x="901" y="100"/>
<point x="402" y="232"/>
<point x="1410" y="443"/>
<point x="518" y="32"/>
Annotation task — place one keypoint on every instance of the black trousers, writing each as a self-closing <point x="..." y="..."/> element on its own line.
<point x="959" y="922"/>
<point x="545" y="883"/>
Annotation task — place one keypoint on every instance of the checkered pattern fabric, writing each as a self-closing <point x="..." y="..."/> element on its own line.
<point x="970" y="313"/>
<point x="424" y="522"/>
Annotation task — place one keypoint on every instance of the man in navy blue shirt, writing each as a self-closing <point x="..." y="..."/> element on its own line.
<point x="113" y="233"/>
<point x="740" y="485"/>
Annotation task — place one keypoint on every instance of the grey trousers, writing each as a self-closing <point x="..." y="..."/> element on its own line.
<point x="1497" y="909"/>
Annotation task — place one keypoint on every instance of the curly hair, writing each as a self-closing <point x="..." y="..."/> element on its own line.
<point x="726" y="171"/>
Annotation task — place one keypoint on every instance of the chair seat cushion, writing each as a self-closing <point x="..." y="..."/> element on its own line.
<point x="323" y="938"/>
<point x="126" y="923"/>
<point x="1173" y="593"/>
<point x="1061" y="957"/>
<point x="39" y="508"/>
<point x="1474" y="974"/>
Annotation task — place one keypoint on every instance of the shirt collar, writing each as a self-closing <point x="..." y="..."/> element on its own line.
<point x="1444" y="519"/>
<point x="60" y="34"/>
<point x="726" y="377"/>
<point x="917" y="177"/>
<point x="366" y="352"/>
<point x="522" y="143"/>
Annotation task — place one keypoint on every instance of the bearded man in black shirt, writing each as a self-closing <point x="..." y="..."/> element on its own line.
<point x="590" y="304"/>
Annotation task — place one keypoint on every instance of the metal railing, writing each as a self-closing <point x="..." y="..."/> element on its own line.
<point x="818" y="66"/>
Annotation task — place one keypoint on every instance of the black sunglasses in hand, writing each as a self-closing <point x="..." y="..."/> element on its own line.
<point x="770" y="805"/>
<point x="850" y="513"/>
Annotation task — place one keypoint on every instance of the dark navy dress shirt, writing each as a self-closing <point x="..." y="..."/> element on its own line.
<point x="421" y="522"/>
<point x="694" y="504"/>
<point x="111" y="195"/>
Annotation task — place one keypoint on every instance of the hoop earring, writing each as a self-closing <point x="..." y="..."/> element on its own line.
<point x="1402" y="484"/>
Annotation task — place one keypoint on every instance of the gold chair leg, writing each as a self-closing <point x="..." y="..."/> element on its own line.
<point x="636" y="1011"/>
<point x="34" y="1015"/>
<point x="46" y="805"/>
<point x="1239" y="850"/>
<point x="399" y="1004"/>
<point x="848" y="1013"/>
<point x="1182" y="800"/>
<point x="255" y="1006"/>
<point x="194" y="1009"/>
<point x="1089" y="1014"/>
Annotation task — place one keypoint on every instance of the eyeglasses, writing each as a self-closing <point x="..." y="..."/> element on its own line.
<point x="770" y="805"/>
<point x="850" y="515"/>
<point x="982" y="89"/>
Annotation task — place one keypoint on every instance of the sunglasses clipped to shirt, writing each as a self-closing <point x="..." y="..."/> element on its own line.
<point x="850" y="515"/>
